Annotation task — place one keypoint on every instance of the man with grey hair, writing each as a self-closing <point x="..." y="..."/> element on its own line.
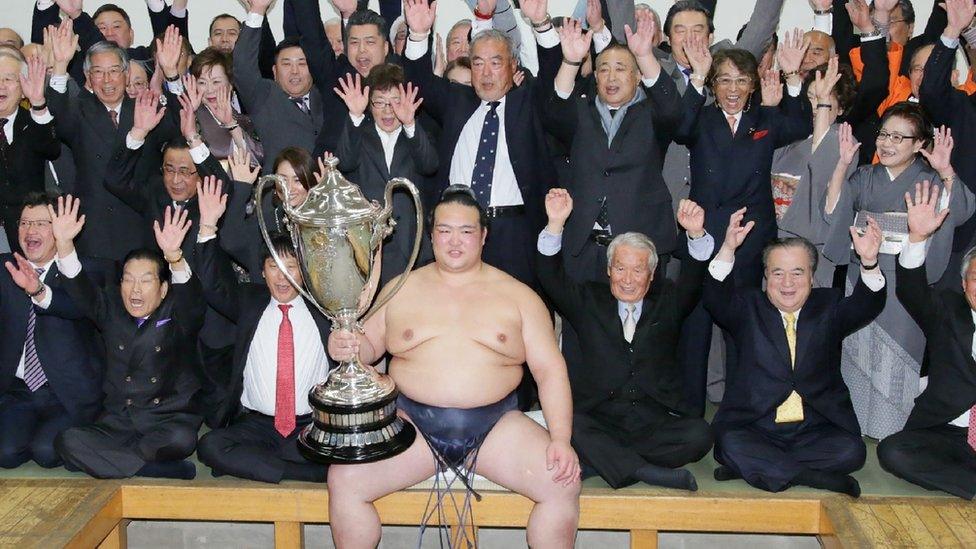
<point x="630" y="422"/>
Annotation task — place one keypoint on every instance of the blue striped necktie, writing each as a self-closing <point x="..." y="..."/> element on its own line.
<point x="33" y="373"/>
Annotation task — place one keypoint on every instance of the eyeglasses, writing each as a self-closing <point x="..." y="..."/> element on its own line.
<point x="895" y="138"/>
<point x="184" y="172"/>
<point x="40" y="224"/>
<point x="101" y="74"/>
<point x="893" y="21"/>
<point x="727" y="82"/>
<point x="380" y="104"/>
<point x="137" y="86"/>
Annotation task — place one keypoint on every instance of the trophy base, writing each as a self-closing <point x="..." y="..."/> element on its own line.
<point x="312" y="447"/>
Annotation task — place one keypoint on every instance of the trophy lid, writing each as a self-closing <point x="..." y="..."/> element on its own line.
<point x="333" y="201"/>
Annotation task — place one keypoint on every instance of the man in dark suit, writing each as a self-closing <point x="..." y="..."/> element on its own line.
<point x="92" y="124"/>
<point x="149" y="325"/>
<point x="492" y="138"/>
<point x="27" y="138"/>
<point x="49" y="370"/>
<point x="287" y="111"/>
<point x="629" y="420"/>
<point x="937" y="448"/>
<point x="278" y="357"/>
<point x="787" y="417"/>
<point x="380" y="140"/>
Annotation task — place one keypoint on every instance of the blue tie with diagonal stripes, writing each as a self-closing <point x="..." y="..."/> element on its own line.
<point x="33" y="373"/>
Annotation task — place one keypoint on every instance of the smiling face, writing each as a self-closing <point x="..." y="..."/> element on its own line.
<point x="296" y="192"/>
<point x="916" y="71"/>
<point x="278" y="285"/>
<point x="381" y="108"/>
<point x="291" y="72"/>
<point x="224" y="33"/>
<point x="684" y="24"/>
<point x="630" y="276"/>
<point x="492" y="69"/>
<point x="900" y="30"/>
<point x="212" y="82"/>
<point x="114" y="28"/>
<point x="107" y="78"/>
<point x="333" y="31"/>
<point x="366" y="47"/>
<point x="821" y="47"/>
<point x="180" y="175"/>
<point x="141" y="289"/>
<point x="616" y="76"/>
<point x="789" y="278"/>
<point x="732" y="88"/>
<point x="457" y="42"/>
<point x="892" y="155"/>
<point x="10" y="92"/>
<point x="137" y="82"/>
<point x="457" y="237"/>
<point x="35" y="235"/>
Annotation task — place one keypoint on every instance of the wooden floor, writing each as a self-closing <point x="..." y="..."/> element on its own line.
<point x="86" y="513"/>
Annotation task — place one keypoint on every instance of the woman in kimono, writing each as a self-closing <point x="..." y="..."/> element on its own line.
<point x="881" y="362"/>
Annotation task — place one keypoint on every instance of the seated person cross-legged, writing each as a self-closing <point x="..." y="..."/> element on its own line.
<point x="150" y="326"/>
<point x="459" y="331"/>
<point x="787" y="417"/>
<point x="630" y="422"/>
<point x="937" y="447"/>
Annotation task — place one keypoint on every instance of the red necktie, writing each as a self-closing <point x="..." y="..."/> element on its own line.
<point x="971" y="435"/>
<point x="285" y="384"/>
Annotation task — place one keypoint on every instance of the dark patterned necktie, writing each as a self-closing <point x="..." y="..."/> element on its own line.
<point x="603" y="217"/>
<point x="34" y="376"/>
<point x="115" y="118"/>
<point x="3" y="134"/>
<point x="300" y="103"/>
<point x="484" y="163"/>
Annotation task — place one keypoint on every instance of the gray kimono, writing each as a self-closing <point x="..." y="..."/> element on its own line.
<point x="881" y="361"/>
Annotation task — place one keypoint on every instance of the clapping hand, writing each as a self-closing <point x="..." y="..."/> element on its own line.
<point x="923" y="219"/>
<point x="691" y="217"/>
<point x="574" y="40"/>
<point x="867" y="242"/>
<point x="406" y="109"/>
<point x="170" y="235"/>
<point x="559" y="204"/>
<point x="351" y="91"/>
<point x="211" y="201"/>
<point x="65" y="221"/>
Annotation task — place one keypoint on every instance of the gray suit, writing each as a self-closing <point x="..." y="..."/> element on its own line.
<point x="279" y="122"/>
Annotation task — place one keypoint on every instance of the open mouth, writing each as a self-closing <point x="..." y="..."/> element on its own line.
<point x="282" y="288"/>
<point x="886" y="153"/>
<point x="363" y="62"/>
<point x="137" y="303"/>
<point x="612" y="90"/>
<point x="32" y="244"/>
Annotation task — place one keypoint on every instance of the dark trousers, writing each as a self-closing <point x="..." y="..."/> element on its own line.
<point x="251" y="448"/>
<point x="511" y="248"/>
<point x="619" y="437"/>
<point x="29" y="422"/>
<point x="937" y="458"/>
<point x="769" y="455"/>
<point x="113" y="447"/>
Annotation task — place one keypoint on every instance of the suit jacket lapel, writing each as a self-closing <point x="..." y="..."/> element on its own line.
<point x="401" y="156"/>
<point x="374" y="149"/>
<point x="772" y="324"/>
<point x="962" y="324"/>
<point x="809" y="317"/>
<point x="20" y="124"/>
<point x="97" y="114"/>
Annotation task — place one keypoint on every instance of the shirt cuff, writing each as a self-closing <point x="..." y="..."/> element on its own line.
<point x="561" y="94"/>
<point x="701" y="248"/>
<point x="912" y="255"/>
<point x="70" y="265"/>
<point x="59" y="83"/>
<point x="547" y="38"/>
<point x="873" y="38"/>
<point x="479" y="26"/>
<point x="874" y="280"/>
<point x="415" y="49"/>
<point x="720" y="269"/>
<point x="46" y="302"/>
<point x="823" y="23"/>
<point x="201" y="239"/>
<point x="42" y="119"/>
<point x="794" y="91"/>
<point x="410" y="130"/>
<point x="549" y="244"/>
<point x="649" y="82"/>
<point x="44" y="4"/>
<point x="181" y="277"/>
<point x="951" y="43"/>
<point x="357" y="119"/>
<point x="133" y="143"/>
<point x="602" y="39"/>
<point x="175" y="87"/>
<point x="200" y="153"/>
<point x="254" y="20"/>
<point x="699" y="89"/>
<point x="177" y="13"/>
<point x="156" y="6"/>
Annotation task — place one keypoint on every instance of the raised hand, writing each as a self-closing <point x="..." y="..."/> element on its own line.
<point x="224" y="111"/>
<point x="518" y="78"/>
<point x="559" y="204"/>
<point x="170" y="236"/>
<point x="691" y="217"/>
<point x="939" y="158"/>
<point x="923" y="217"/>
<point x="32" y="83"/>
<point x="192" y="91"/>
<point x="23" y="274"/>
<point x="848" y="145"/>
<point x="698" y="54"/>
<point x="820" y="5"/>
<point x="211" y="201"/>
<point x="260" y="7"/>
<point x="345" y="7"/>
<point x="406" y="109"/>
<point x="641" y="41"/>
<point x="63" y="43"/>
<point x="323" y="169"/>
<point x="823" y="84"/>
<point x="486" y="7"/>
<point x="188" y="121"/>
<point x="535" y="10"/>
<point x="867" y="243"/>
<point x="885" y="5"/>
<point x="960" y="14"/>
<point x="350" y="90"/>
<point x="860" y="14"/>
<point x="169" y="50"/>
<point x="71" y="8"/>
<point x="440" y="58"/>
<point x="240" y="166"/>
<point x="65" y="222"/>
<point x="574" y="40"/>
<point x="791" y="50"/>
<point x="420" y="15"/>
<point x="736" y="234"/>
<point x="147" y="115"/>
<point x="771" y="88"/>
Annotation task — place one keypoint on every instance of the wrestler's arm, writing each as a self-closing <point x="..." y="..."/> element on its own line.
<point x="548" y="367"/>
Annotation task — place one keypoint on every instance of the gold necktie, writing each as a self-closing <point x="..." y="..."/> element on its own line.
<point x="791" y="410"/>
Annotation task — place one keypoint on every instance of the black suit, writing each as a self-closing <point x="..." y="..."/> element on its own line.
<point x="150" y="386"/>
<point x="246" y="444"/>
<point x="627" y="397"/>
<point x="930" y="452"/>
<point x="363" y="160"/>
<point x="770" y="455"/>
<point x="22" y="167"/>
<point x="66" y="348"/>
<point x="511" y="241"/>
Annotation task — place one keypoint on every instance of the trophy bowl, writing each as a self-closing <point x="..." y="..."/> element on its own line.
<point x="338" y="235"/>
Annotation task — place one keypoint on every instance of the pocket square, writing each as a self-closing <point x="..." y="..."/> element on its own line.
<point x="756" y="136"/>
<point x="162" y="322"/>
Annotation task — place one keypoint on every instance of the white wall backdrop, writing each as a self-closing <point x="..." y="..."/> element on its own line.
<point x="730" y="16"/>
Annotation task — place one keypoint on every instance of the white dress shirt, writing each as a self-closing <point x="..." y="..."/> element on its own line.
<point x="8" y="128"/>
<point x="387" y="139"/>
<point x="42" y="304"/>
<point x="261" y="368"/>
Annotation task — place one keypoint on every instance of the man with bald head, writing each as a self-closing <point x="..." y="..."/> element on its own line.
<point x="9" y="37"/>
<point x="819" y="51"/>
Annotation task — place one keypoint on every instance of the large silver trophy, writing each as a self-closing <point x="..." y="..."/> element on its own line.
<point x="337" y="235"/>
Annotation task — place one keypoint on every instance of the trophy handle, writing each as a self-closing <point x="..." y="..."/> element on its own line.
<point x="391" y="186"/>
<point x="258" y="196"/>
